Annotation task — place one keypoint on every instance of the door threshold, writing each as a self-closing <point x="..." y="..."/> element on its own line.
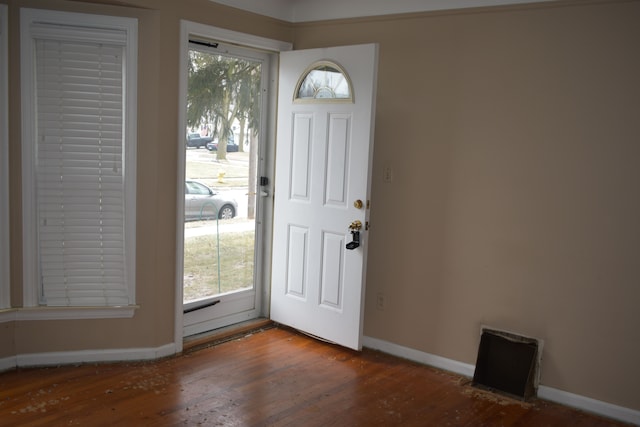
<point x="217" y="336"/>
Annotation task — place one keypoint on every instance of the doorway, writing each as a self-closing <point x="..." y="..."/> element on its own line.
<point x="245" y="301"/>
<point x="224" y="194"/>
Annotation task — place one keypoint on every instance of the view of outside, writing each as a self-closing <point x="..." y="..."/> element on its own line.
<point x="221" y="155"/>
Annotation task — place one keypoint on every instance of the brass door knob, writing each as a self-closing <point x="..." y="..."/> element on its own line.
<point x="355" y="225"/>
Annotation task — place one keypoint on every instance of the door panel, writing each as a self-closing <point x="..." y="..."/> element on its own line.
<point x="324" y="153"/>
<point x="297" y="249"/>
<point x="331" y="282"/>
<point x="337" y="159"/>
<point x="301" y="151"/>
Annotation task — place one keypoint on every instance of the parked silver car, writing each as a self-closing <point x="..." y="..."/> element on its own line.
<point x="201" y="202"/>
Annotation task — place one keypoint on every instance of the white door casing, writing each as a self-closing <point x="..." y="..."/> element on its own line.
<point x="323" y="159"/>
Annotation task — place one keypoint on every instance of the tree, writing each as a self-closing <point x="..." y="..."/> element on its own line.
<point x="249" y="101"/>
<point x="220" y="90"/>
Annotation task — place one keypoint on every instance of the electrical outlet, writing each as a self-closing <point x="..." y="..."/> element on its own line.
<point x="387" y="174"/>
<point x="380" y="301"/>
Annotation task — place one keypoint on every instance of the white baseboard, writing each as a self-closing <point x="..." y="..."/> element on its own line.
<point x="7" y="363"/>
<point x="420" y="356"/>
<point x="591" y="405"/>
<point x="86" y="356"/>
<point x="548" y="393"/>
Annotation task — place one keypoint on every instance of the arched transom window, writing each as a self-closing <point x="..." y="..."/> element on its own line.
<point x="324" y="81"/>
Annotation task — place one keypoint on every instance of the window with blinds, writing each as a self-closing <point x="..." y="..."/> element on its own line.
<point x="81" y="158"/>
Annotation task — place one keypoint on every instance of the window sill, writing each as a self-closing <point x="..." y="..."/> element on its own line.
<point x="61" y="313"/>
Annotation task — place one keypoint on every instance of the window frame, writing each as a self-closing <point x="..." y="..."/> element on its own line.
<point x="95" y="24"/>
<point x="5" y="275"/>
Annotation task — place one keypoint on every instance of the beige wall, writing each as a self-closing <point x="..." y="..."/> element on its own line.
<point x="514" y="139"/>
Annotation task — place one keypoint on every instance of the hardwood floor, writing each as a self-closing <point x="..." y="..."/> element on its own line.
<point x="275" y="377"/>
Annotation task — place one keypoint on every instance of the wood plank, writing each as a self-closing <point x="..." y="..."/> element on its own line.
<point x="275" y="377"/>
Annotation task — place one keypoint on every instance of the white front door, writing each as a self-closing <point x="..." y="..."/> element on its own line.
<point x="322" y="185"/>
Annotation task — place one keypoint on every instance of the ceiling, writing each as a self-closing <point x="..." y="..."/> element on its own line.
<point x="318" y="10"/>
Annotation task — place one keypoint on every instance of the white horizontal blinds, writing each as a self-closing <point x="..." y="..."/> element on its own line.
<point x="79" y="168"/>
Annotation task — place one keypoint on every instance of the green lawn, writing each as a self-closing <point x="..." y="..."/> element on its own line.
<point x="201" y="263"/>
<point x="233" y="257"/>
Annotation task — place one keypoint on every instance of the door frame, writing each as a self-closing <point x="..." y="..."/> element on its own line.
<point x="267" y="154"/>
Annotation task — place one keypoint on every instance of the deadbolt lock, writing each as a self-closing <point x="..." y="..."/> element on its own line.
<point x="358" y="204"/>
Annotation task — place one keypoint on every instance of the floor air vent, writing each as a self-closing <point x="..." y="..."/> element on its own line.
<point x="507" y="363"/>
